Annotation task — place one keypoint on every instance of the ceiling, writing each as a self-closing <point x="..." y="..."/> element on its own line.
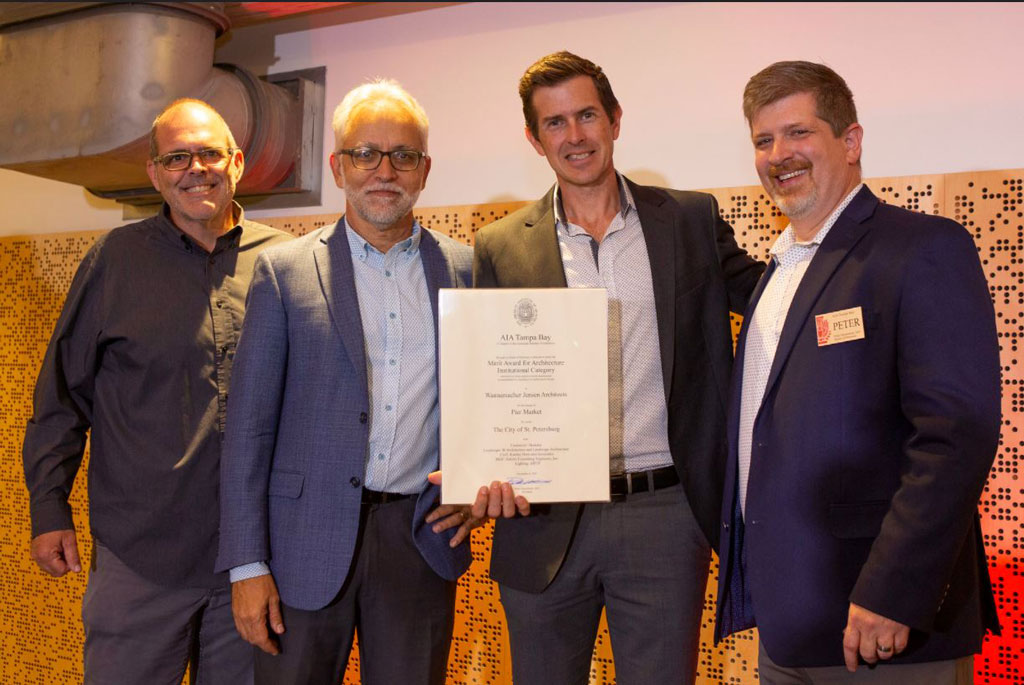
<point x="249" y="13"/>
<point x="242" y="14"/>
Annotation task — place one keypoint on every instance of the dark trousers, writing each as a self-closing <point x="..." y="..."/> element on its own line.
<point x="645" y="560"/>
<point x="141" y="633"/>
<point x="402" y="610"/>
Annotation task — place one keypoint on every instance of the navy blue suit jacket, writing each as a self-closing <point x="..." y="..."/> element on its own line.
<point x="297" y="423"/>
<point x="869" y="456"/>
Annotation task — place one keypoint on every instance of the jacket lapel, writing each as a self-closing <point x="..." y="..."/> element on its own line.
<point x="540" y="245"/>
<point x="436" y="269"/>
<point x="846" y="232"/>
<point x="334" y="268"/>
<point x="659" y="234"/>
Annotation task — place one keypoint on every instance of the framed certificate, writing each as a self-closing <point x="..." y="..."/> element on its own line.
<point x="524" y="392"/>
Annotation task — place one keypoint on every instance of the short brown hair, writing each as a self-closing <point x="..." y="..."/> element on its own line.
<point x="154" y="150"/>
<point x="782" y="79"/>
<point x="557" y="68"/>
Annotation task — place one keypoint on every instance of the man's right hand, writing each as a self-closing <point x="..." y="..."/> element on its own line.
<point x="497" y="501"/>
<point x="56" y="552"/>
<point x="256" y="605"/>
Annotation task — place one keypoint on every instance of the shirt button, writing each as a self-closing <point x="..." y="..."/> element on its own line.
<point x="391" y="362"/>
<point x="387" y="408"/>
<point x="387" y="273"/>
<point x="392" y="315"/>
<point x="355" y="482"/>
<point x="380" y="457"/>
<point x="362" y="417"/>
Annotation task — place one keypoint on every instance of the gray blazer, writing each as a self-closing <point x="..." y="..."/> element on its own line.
<point x="297" y="428"/>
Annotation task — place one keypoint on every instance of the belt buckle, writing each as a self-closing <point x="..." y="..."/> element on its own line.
<point x="618" y="495"/>
<point x="627" y="487"/>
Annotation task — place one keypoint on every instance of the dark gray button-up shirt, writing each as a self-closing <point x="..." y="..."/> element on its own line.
<point x="141" y="360"/>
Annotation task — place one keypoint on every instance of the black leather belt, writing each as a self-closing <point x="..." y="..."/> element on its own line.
<point x="374" y="497"/>
<point x="643" y="481"/>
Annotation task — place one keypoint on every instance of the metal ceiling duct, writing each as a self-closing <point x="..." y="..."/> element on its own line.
<point x="80" y="90"/>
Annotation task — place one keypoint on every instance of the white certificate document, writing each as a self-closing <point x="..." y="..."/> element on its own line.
<point x="524" y="392"/>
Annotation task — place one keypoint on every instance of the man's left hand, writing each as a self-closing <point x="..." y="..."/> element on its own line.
<point x="450" y="515"/>
<point x="871" y="637"/>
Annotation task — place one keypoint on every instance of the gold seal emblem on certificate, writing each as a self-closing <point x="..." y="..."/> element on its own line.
<point x="525" y="312"/>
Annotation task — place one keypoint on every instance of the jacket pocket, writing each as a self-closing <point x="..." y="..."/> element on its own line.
<point x="285" y="484"/>
<point x="857" y="519"/>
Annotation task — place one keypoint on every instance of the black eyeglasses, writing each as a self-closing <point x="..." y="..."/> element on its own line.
<point x="181" y="160"/>
<point x="368" y="159"/>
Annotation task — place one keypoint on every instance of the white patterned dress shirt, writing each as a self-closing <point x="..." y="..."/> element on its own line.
<point x="638" y="414"/>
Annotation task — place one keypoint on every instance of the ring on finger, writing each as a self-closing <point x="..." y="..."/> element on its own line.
<point x="883" y="650"/>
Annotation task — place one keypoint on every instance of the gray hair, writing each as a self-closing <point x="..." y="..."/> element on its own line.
<point x="380" y="89"/>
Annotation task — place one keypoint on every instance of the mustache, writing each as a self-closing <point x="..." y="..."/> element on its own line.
<point x="385" y="187"/>
<point x="787" y="168"/>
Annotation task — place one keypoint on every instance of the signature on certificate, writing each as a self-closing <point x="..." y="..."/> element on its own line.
<point x="516" y="480"/>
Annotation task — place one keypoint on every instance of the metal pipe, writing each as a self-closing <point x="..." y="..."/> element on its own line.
<point x="81" y="90"/>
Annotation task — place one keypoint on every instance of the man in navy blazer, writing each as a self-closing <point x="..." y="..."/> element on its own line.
<point x="333" y="425"/>
<point x="864" y="417"/>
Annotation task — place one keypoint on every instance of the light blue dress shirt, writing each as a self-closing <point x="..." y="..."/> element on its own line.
<point x="398" y="332"/>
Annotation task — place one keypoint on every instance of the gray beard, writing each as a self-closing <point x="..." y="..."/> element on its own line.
<point x="383" y="217"/>
<point x="796" y="207"/>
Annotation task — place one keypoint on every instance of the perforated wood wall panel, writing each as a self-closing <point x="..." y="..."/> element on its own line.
<point x="41" y="635"/>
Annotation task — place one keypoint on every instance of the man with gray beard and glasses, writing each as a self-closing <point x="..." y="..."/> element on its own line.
<point x="333" y="425"/>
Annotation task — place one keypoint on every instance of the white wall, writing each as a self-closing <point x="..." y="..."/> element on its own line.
<point x="938" y="88"/>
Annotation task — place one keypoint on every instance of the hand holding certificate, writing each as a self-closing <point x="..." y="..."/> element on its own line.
<point x="524" y="393"/>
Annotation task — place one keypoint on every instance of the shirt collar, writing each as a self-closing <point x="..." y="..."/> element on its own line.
<point x="185" y="241"/>
<point x="625" y="202"/>
<point x="361" y="248"/>
<point x="787" y="239"/>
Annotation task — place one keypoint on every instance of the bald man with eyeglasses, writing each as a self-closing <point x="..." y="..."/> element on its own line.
<point x="140" y="362"/>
